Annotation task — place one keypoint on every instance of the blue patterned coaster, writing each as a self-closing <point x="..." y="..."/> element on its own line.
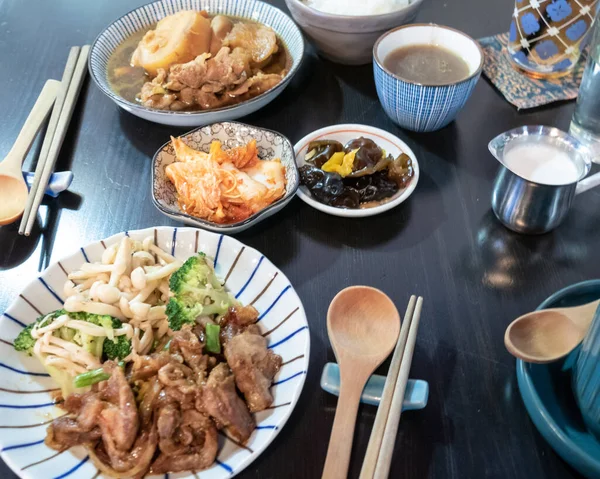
<point x="519" y="89"/>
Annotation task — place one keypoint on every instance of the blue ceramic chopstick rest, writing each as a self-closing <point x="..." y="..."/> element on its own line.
<point x="415" y="396"/>
<point x="58" y="182"/>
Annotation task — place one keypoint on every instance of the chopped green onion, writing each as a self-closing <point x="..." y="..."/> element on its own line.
<point x="90" y="377"/>
<point x="167" y="346"/>
<point x="213" y="344"/>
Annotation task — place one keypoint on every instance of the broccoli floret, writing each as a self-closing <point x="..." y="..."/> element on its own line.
<point x="117" y="349"/>
<point x="98" y="346"/>
<point x="103" y="320"/>
<point x="197" y="292"/>
<point x="179" y="313"/>
<point x="24" y="341"/>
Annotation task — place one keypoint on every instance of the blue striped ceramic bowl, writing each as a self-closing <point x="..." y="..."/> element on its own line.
<point x="26" y="404"/>
<point x="424" y="107"/>
<point x="144" y="17"/>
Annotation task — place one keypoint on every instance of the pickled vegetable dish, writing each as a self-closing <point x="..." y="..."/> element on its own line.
<point x="356" y="175"/>
<point x="224" y="186"/>
<point x="189" y="61"/>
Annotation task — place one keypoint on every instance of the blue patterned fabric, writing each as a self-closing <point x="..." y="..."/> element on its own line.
<point x="521" y="90"/>
<point x="418" y="107"/>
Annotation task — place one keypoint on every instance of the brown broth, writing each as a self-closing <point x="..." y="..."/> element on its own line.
<point x="427" y="64"/>
<point x="127" y="81"/>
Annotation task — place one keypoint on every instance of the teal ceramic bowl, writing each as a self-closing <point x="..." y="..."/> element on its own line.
<point x="586" y="378"/>
<point x="547" y="392"/>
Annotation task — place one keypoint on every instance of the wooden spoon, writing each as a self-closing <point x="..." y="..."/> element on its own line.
<point x="363" y="326"/>
<point x="549" y="334"/>
<point x="13" y="190"/>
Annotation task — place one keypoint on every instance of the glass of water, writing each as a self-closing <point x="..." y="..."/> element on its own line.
<point x="585" y="125"/>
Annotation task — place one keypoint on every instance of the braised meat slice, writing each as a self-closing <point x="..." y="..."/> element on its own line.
<point x="119" y="420"/>
<point x="221" y="401"/>
<point x="237" y="319"/>
<point x="257" y="84"/>
<point x="132" y="463"/>
<point x="66" y="432"/>
<point x="227" y="68"/>
<point x="254" y="367"/>
<point x="186" y="343"/>
<point x="188" y="441"/>
<point x="87" y="407"/>
<point x="144" y="367"/>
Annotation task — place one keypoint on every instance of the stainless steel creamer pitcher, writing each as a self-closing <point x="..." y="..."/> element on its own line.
<point x="531" y="207"/>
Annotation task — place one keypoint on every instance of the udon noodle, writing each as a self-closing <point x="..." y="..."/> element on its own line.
<point x="130" y="283"/>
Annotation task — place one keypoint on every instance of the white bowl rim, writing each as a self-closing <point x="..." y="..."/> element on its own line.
<point x="476" y="73"/>
<point x="374" y="17"/>
<point x="359" y="212"/>
<point x="128" y="104"/>
<point x="225" y="228"/>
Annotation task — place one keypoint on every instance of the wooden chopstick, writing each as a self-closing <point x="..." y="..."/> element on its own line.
<point x="386" y="452"/>
<point x="370" y="461"/>
<point x="49" y="136"/>
<point x="73" y="78"/>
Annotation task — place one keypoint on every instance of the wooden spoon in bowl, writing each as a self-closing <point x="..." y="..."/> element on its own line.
<point x="13" y="190"/>
<point x="363" y="326"/>
<point x="549" y="334"/>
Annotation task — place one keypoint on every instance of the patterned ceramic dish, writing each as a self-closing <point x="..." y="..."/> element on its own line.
<point x="26" y="404"/>
<point x="146" y="16"/>
<point x="348" y="39"/>
<point x="425" y="107"/>
<point x="344" y="133"/>
<point x="547" y="392"/>
<point x="270" y="145"/>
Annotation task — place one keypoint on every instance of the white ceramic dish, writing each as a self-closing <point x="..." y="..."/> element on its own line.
<point x="270" y="145"/>
<point x="251" y="276"/>
<point x="348" y="39"/>
<point x="147" y="15"/>
<point x="344" y="133"/>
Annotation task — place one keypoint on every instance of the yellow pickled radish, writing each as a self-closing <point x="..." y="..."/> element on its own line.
<point x="178" y="38"/>
<point x="340" y="162"/>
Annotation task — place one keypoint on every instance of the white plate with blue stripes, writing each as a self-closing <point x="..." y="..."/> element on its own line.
<point x="144" y="17"/>
<point x="26" y="404"/>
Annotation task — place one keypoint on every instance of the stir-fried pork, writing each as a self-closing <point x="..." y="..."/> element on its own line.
<point x="237" y="319"/>
<point x="119" y="421"/>
<point x="169" y="424"/>
<point x="221" y="401"/>
<point x="254" y="367"/>
<point x="188" y="441"/>
<point x="66" y="432"/>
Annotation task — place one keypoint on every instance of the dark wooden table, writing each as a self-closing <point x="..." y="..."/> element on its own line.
<point x="443" y="243"/>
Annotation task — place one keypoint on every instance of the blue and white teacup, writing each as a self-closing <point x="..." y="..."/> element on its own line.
<point x="422" y="106"/>
<point x="586" y="377"/>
